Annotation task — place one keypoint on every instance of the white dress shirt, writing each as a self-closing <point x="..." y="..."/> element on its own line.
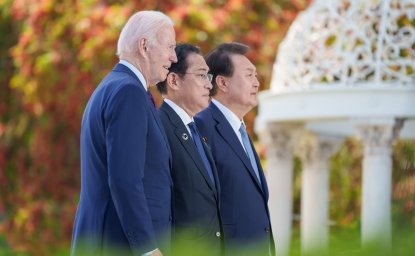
<point x="233" y="120"/>
<point x="186" y="119"/>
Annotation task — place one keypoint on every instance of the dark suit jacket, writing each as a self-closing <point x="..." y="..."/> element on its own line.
<point x="125" y="201"/>
<point x="244" y="208"/>
<point x="195" y="198"/>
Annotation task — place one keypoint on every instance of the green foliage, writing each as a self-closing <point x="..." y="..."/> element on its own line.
<point x="345" y="183"/>
<point x="403" y="205"/>
<point x="346" y="240"/>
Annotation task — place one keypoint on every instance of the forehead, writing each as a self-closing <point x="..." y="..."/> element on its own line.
<point x="242" y="63"/>
<point x="196" y="62"/>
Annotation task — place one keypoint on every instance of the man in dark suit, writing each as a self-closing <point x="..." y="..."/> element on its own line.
<point x="196" y="218"/>
<point x="125" y="201"/>
<point x="244" y="195"/>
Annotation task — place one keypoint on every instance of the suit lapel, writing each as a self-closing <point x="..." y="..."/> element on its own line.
<point x="228" y="134"/>
<point x="186" y="140"/>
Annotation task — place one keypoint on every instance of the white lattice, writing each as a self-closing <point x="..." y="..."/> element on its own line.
<point x="348" y="42"/>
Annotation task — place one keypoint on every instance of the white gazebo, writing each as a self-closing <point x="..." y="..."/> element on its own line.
<point x="345" y="68"/>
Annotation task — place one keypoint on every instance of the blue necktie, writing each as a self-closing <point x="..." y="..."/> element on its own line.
<point x="248" y="149"/>
<point x="200" y="149"/>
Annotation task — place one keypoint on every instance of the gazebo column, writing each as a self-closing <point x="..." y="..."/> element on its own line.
<point x="377" y="136"/>
<point x="315" y="152"/>
<point x="278" y="139"/>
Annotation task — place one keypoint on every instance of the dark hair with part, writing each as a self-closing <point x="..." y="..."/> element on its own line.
<point x="183" y="50"/>
<point x="220" y="63"/>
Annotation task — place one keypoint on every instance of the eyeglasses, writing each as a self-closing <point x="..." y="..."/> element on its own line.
<point x="203" y="76"/>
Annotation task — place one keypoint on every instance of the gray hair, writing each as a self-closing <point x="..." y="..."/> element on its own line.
<point x="143" y="24"/>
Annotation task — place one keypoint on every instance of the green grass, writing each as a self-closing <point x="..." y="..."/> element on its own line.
<point x="346" y="241"/>
<point x="343" y="241"/>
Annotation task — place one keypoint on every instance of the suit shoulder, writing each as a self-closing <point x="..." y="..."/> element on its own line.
<point x="164" y="113"/>
<point x="204" y="115"/>
<point x="204" y="123"/>
<point x="204" y="118"/>
<point x="120" y="83"/>
<point x="115" y="93"/>
<point x="164" y="118"/>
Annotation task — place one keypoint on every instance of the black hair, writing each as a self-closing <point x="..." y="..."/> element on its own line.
<point x="220" y="63"/>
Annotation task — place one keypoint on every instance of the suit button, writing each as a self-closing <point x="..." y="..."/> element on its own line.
<point x="170" y="218"/>
<point x="267" y="230"/>
<point x="218" y="234"/>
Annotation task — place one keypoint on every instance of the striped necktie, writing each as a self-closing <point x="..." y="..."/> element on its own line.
<point x="249" y="151"/>
<point x="201" y="150"/>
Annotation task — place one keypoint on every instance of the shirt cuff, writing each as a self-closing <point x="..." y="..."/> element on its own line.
<point x="149" y="253"/>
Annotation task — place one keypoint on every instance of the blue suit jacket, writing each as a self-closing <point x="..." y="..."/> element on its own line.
<point x="244" y="201"/>
<point x="195" y="197"/>
<point x="125" y="201"/>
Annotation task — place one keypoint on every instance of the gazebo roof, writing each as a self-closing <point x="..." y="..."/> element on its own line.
<point x="348" y="43"/>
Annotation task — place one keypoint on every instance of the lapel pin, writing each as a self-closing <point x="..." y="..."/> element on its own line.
<point x="204" y="139"/>
<point x="185" y="136"/>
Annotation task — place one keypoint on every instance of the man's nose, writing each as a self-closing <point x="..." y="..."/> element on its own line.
<point x="209" y="85"/>
<point x="173" y="57"/>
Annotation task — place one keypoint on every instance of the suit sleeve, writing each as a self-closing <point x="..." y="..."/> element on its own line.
<point x="126" y="133"/>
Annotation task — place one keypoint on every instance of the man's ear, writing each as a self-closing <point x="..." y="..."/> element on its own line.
<point x="222" y="83"/>
<point x="173" y="81"/>
<point x="142" y="46"/>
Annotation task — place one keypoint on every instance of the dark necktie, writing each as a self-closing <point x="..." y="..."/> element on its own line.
<point x="248" y="149"/>
<point x="151" y="98"/>
<point x="200" y="149"/>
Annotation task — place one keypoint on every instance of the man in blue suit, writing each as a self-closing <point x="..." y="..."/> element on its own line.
<point x="196" y="217"/>
<point x="244" y="191"/>
<point x="125" y="201"/>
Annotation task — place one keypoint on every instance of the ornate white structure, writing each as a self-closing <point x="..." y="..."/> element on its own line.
<point x="345" y="68"/>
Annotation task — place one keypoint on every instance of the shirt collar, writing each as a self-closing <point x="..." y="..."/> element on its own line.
<point x="136" y="72"/>
<point x="233" y="120"/>
<point x="180" y="112"/>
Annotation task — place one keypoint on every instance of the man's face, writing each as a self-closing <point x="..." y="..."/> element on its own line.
<point x="161" y="55"/>
<point x="243" y="84"/>
<point x="194" y="87"/>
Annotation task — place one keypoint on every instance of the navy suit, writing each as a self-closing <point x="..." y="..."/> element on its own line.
<point x="244" y="208"/>
<point x="125" y="201"/>
<point x="195" y="197"/>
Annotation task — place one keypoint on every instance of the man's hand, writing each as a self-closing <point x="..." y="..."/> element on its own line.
<point x="156" y="252"/>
